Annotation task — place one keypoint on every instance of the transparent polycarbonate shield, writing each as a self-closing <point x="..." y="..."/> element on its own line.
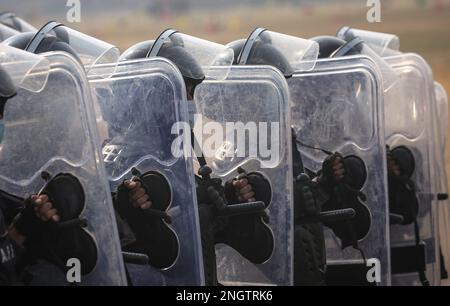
<point x="300" y="53"/>
<point x="90" y="51"/>
<point x="137" y="111"/>
<point x="245" y="122"/>
<point x="6" y="32"/>
<point x="356" y="45"/>
<point x="338" y="107"/>
<point x="444" y="209"/>
<point x="11" y="20"/>
<point x="383" y="43"/>
<point x="27" y="70"/>
<point x="442" y="110"/>
<point x="53" y="131"/>
<point x="411" y="121"/>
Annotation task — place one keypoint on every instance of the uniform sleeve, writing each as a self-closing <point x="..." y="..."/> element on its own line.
<point x="10" y="206"/>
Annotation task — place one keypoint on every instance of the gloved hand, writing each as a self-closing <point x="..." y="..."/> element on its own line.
<point x="332" y="171"/>
<point x="32" y="219"/>
<point x="137" y="195"/>
<point x="239" y="190"/>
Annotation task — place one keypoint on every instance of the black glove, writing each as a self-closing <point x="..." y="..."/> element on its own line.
<point x="260" y="186"/>
<point x="231" y="194"/>
<point x="153" y="236"/>
<point x="327" y="175"/>
<point x="28" y="224"/>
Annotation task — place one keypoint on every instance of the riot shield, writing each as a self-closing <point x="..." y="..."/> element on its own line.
<point x="442" y="110"/>
<point x="245" y="122"/>
<point x="137" y="110"/>
<point x="411" y="125"/>
<point x="50" y="147"/>
<point x="338" y="107"/>
<point x="444" y="212"/>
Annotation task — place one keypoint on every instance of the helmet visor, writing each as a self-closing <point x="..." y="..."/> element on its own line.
<point x="382" y="43"/>
<point x="91" y="51"/>
<point x="301" y="54"/>
<point x="28" y="71"/>
<point x="205" y="53"/>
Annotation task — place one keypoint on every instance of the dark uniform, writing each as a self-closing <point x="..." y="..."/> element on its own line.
<point x="8" y="248"/>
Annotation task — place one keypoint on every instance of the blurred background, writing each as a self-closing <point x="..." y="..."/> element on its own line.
<point x="422" y="25"/>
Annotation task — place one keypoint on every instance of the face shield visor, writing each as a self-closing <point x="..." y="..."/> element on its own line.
<point x="26" y="70"/>
<point x="194" y="56"/>
<point x="98" y="57"/>
<point x="382" y="43"/>
<point x="287" y="53"/>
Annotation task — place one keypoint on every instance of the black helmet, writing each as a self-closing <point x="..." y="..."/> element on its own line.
<point x="328" y="45"/>
<point x="169" y="46"/>
<point x="331" y="46"/>
<point x="48" y="43"/>
<point x="11" y="20"/>
<point x="258" y="49"/>
<point x="237" y="47"/>
<point x="352" y="47"/>
<point x="7" y="89"/>
<point x="54" y="36"/>
<point x="19" y="41"/>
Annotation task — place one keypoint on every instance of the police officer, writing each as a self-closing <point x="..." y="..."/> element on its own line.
<point x="237" y="190"/>
<point x="18" y="217"/>
<point x="310" y="196"/>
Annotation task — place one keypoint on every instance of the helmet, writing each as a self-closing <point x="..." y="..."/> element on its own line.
<point x="334" y="47"/>
<point x="188" y="66"/>
<point x="261" y="54"/>
<point x="328" y="44"/>
<point x="48" y="43"/>
<point x="384" y="44"/>
<point x="190" y="54"/>
<point x="287" y="53"/>
<point x="352" y="47"/>
<point x="12" y="21"/>
<point x="170" y="46"/>
<point x="331" y="46"/>
<point x="55" y="36"/>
